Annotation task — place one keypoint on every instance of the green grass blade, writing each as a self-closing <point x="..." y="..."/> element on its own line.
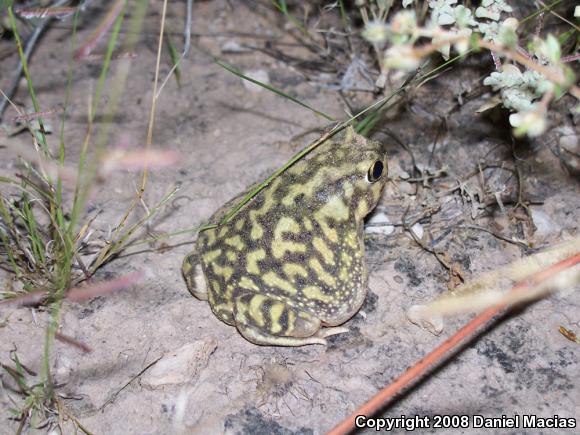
<point x="166" y="236"/>
<point x="9" y="226"/>
<point x="343" y="15"/>
<point x="33" y="234"/>
<point x="270" y="88"/>
<point x="41" y="136"/>
<point x="175" y="59"/>
<point x="282" y="7"/>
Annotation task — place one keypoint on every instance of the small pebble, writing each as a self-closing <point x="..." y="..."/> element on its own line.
<point x="179" y="366"/>
<point x="418" y="230"/>
<point x="545" y="226"/>
<point x="379" y="223"/>
<point x="432" y="323"/>
<point x="232" y="46"/>
<point x="259" y="75"/>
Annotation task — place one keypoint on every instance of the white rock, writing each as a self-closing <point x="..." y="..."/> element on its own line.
<point x="179" y="366"/>
<point x="545" y="226"/>
<point x="432" y="323"/>
<point x="63" y="366"/>
<point x="232" y="46"/>
<point x="379" y="223"/>
<point x="405" y="188"/>
<point x="259" y="75"/>
<point x="570" y="143"/>
<point x="418" y="230"/>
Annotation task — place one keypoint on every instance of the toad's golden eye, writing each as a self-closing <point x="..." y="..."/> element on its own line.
<point x="375" y="171"/>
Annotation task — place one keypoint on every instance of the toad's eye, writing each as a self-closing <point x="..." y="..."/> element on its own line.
<point x="375" y="171"/>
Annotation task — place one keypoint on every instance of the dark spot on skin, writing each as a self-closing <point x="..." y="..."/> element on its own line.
<point x="322" y="196"/>
<point x="283" y="320"/>
<point x="300" y="282"/>
<point x="265" y="308"/>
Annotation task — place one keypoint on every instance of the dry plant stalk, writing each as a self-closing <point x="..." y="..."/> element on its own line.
<point x="485" y="291"/>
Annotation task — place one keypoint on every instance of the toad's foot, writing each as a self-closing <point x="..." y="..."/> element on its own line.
<point x="193" y="275"/>
<point x="268" y="321"/>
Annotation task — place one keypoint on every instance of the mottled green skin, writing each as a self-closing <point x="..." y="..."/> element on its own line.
<point x="291" y="261"/>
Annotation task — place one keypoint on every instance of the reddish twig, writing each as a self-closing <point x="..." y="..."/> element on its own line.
<point x="51" y="12"/>
<point x="115" y="56"/>
<point x="570" y="58"/>
<point x="100" y="31"/>
<point x="384" y="396"/>
<point x="496" y="61"/>
<point x="540" y="25"/>
<point x="27" y="117"/>
<point x="104" y="287"/>
<point x="72" y="342"/>
<point x="78" y="293"/>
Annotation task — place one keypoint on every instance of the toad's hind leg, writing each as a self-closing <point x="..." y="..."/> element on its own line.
<point x="193" y="275"/>
<point x="268" y="321"/>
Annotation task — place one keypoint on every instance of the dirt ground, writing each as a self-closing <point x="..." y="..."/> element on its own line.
<point x="211" y="380"/>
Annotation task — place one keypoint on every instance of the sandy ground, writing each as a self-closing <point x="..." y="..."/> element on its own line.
<point x="210" y="380"/>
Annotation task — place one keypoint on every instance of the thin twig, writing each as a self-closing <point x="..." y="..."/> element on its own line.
<point x="409" y="228"/>
<point x="498" y="235"/>
<point x="113" y="396"/>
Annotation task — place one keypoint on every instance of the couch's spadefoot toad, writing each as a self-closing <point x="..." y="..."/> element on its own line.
<point x="289" y="267"/>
